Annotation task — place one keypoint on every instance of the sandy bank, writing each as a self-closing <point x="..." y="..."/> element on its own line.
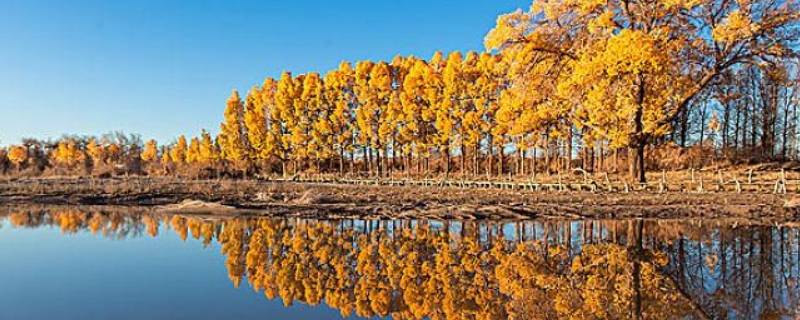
<point x="347" y="201"/>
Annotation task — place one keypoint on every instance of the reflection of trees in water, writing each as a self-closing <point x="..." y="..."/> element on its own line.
<point x="485" y="270"/>
<point x="114" y="224"/>
<point x="743" y="272"/>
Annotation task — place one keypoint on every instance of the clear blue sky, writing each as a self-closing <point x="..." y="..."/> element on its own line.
<point x="164" y="68"/>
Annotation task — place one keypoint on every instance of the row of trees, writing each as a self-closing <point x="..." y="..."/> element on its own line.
<point x="598" y="81"/>
<point x="475" y="270"/>
<point x="110" y="153"/>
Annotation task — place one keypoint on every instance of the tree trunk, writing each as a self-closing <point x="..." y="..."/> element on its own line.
<point x="639" y="162"/>
<point x="352" y="160"/>
<point x="632" y="165"/>
<point x="409" y="160"/>
<point x="726" y="119"/>
<point x="463" y="160"/>
<point x="547" y="155"/>
<point x="367" y="160"/>
<point x="745" y="121"/>
<point x="784" y="134"/>
<point x="568" y="155"/>
<point x="379" y="155"/>
<point x="394" y="156"/>
<point x="684" y="128"/>
<point x="490" y="157"/>
<point x="736" y="131"/>
<point x="640" y="139"/>
<point x="446" y="162"/>
<point x="419" y="163"/>
<point x="501" y="169"/>
<point x="341" y="161"/>
<point x="475" y="169"/>
<point x="703" y="116"/>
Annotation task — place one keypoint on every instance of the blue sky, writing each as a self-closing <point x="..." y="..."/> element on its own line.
<point x="164" y="68"/>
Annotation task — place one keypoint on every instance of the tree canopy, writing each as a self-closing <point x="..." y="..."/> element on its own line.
<point x="596" y="81"/>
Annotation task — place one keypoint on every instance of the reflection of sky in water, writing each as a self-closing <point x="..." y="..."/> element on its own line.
<point x="723" y="270"/>
<point x="47" y="274"/>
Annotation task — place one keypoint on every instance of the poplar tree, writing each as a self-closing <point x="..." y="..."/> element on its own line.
<point x="233" y="135"/>
<point x="628" y="69"/>
<point x="150" y="152"/>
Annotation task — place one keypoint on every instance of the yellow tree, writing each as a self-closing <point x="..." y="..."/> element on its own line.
<point x="96" y="151"/>
<point x="470" y="127"/>
<point x="233" y="134"/>
<point x="389" y="128"/>
<point x="257" y="120"/>
<point x="283" y="118"/>
<point x="320" y="144"/>
<point x="437" y="111"/>
<point x="177" y="152"/>
<point x="166" y="158"/>
<point x="451" y="113"/>
<point x="114" y="152"/>
<point x="339" y="95"/>
<point x="193" y="152"/>
<point x="640" y="64"/>
<point x="209" y="152"/>
<point x="526" y="109"/>
<point x="365" y="111"/>
<point x="400" y="143"/>
<point x="507" y="113"/>
<point x="416" y="127"/>
<point x="378" y="113"/>
<point x="528" y="96"/>
<point x="487" y="86"/>
<point x="68" y="153"/>
<point x="150" y="152"/>
<point x="300" y="125"/>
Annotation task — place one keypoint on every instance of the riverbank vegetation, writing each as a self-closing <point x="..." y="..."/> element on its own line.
<point x="605" y="86"/>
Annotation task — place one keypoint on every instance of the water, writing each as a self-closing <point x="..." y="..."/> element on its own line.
<point x="101" y="263"/>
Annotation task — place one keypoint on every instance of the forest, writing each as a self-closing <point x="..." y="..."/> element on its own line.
<point x="605" y="86"/>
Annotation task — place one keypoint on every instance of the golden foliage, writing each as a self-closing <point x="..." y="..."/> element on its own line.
<point x="617" y="72"/>
<point x="232" y="137"/>
<point x="18" y="155"/>
<point x="68" y="153"/>
<point x="150" y="152"/>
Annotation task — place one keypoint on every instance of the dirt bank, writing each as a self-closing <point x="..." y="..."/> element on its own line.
<point x="340" y="201"/>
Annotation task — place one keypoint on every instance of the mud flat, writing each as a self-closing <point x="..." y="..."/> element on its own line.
<point x="331" y="201"/>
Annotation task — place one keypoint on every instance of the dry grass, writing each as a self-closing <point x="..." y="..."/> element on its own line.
<point x="331" y="200"/>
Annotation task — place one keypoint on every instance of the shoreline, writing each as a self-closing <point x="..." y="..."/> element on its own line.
<point x="331" y="201"/>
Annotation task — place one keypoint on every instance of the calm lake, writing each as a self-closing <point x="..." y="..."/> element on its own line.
<point x="112" y="263"/>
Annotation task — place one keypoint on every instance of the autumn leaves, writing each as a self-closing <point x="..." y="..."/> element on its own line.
<point x="620" y="72"/>
<point x="616" y="74"/>
<point x="386" y="114"/>
<point x="563" y="78"/>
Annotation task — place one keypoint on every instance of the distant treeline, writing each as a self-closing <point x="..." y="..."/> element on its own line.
<point x="591" y="84"/>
